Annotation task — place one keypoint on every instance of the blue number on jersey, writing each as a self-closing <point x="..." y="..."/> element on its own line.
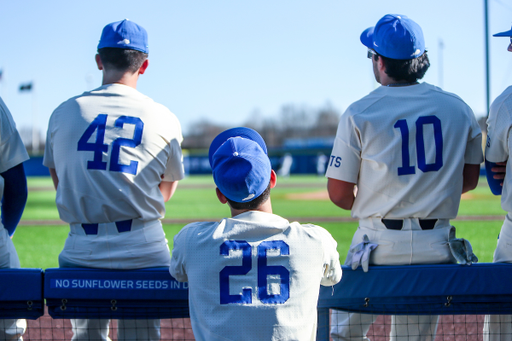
<point x="99" y="125"/>
<point x="225" y="297"/>
<point x="264" y="271"/>
<point x="115" y="166"/>
<point x="406" y="167"/>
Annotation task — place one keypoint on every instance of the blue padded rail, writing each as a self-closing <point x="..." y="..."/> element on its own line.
<point x="128" y="294"/>
<point x="449" y="289"/>
<point x="423" y="289"/>
<point x="21" y="293"/>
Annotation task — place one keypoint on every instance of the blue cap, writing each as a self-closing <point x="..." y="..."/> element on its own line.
<point x="504" y="34"/>
<point x="124" y="34"/>
<point x="240" y="164"/>
<point x="395" y="37"/>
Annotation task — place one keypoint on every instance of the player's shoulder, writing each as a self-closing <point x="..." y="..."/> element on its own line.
<point x="5" y="115"/>
<point x="445" y="95"/>
<point x="196" y="228"/>
<point x="361" y="106"/>
<point x="315" y="231"/>
<point x="503" y="101"/>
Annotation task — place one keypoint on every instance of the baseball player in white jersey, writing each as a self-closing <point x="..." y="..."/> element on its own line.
<point x="499" y="122"/>
<point x="115" y="158"/>
<point x="13" y="192"/>
<point x="254" y="276"/>
<point x="412" y="150"/>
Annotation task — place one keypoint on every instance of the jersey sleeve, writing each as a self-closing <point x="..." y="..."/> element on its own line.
<point x="12" y="149"/>
<point x="345" y="159"/>
<point x="474" y="152"/>
<point x="174" y="170"/>
<point x="498" y="127"/>
<point x="332" y="266"/>
<point x="48" y="160"/>
<point x="331" y="262"/>
<point x="177" y="267"/>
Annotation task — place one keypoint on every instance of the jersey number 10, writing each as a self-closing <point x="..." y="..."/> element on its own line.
<point x="406" y="167"/>
<point x="99" y="147"/>
<point x="264" y="270"/>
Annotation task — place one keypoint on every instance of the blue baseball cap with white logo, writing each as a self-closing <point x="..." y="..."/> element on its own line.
<point x="124" y="34"/>
<point x="396" y="37"/>
<point x="504" y="34"/>
<point x="240" y="164"/>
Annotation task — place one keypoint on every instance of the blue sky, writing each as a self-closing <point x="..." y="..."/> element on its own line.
<point x="227" y="60"/>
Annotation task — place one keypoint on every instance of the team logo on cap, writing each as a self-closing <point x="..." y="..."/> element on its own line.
<point x="124" y="41"/>
<point x="249" y="197"/>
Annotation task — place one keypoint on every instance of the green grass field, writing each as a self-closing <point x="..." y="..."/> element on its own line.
<point x="301" y="198"/>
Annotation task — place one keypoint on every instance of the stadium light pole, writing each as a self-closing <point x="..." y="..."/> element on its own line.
<point x="440" y="77"/>
<point x="487" y="85"/>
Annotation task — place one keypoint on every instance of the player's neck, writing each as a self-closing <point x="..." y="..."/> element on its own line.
<point x="126" y="78"/>
<point x="391" y="82"/>
<point x="265" y="207"/>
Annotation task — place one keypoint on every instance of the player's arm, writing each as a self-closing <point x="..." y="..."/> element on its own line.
<point x="341" y="193"/>
<point x="470" y="176"/>
<point x="15" y="197"/>
<point x="167" y="188"/>
<point x="55" y="179"/>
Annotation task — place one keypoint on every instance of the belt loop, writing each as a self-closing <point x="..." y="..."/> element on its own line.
<point x="393" y="224"/>
<point x="427" y="224"/>
<point x="124" y="225"/>
<point x="90" y="228"/>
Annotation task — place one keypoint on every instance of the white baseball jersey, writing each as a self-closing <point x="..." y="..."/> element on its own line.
<point x="405" y="148"/>
<point x="499" y="144"/>
<point x="497" y="149"/>
<point x="111" y="147"/>
<point x="255" y="276"/>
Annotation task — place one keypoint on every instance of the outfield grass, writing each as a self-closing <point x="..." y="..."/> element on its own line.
<point x="299" y="197"/>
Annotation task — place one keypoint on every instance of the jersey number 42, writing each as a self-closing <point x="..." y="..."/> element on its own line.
<point x="99" y="125"/>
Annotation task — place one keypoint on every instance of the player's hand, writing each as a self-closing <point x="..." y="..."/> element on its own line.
<point x="499" y="171"/>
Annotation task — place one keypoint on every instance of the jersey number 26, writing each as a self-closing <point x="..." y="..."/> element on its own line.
<point x="264" y="270"/>
<point x="99" y="147"/>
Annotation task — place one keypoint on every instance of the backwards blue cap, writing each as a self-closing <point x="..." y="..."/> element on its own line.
<point x="395" y="37"/>
<point x="240" y="164"/>
<point x="124" y="34"/>
<point x="504" y="34"/>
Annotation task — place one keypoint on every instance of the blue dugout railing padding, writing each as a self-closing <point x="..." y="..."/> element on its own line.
<point x="129" y="294"/>
<point x="21" y="293"/>
<point x="449" y="289"/>
<point x="388" y="290"/>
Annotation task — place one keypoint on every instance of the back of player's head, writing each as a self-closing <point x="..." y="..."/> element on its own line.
<point x="123" y="45"/>
<point x="399" y="41"/>
<point x="240" y="164"/>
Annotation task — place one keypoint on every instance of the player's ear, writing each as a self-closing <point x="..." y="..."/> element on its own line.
<point x="222" y="198"/>
<point x="143" y="67"/>
<point x="273" y="179"/>
<point x="99" y="63"/>
<point x="380" y="63"/>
